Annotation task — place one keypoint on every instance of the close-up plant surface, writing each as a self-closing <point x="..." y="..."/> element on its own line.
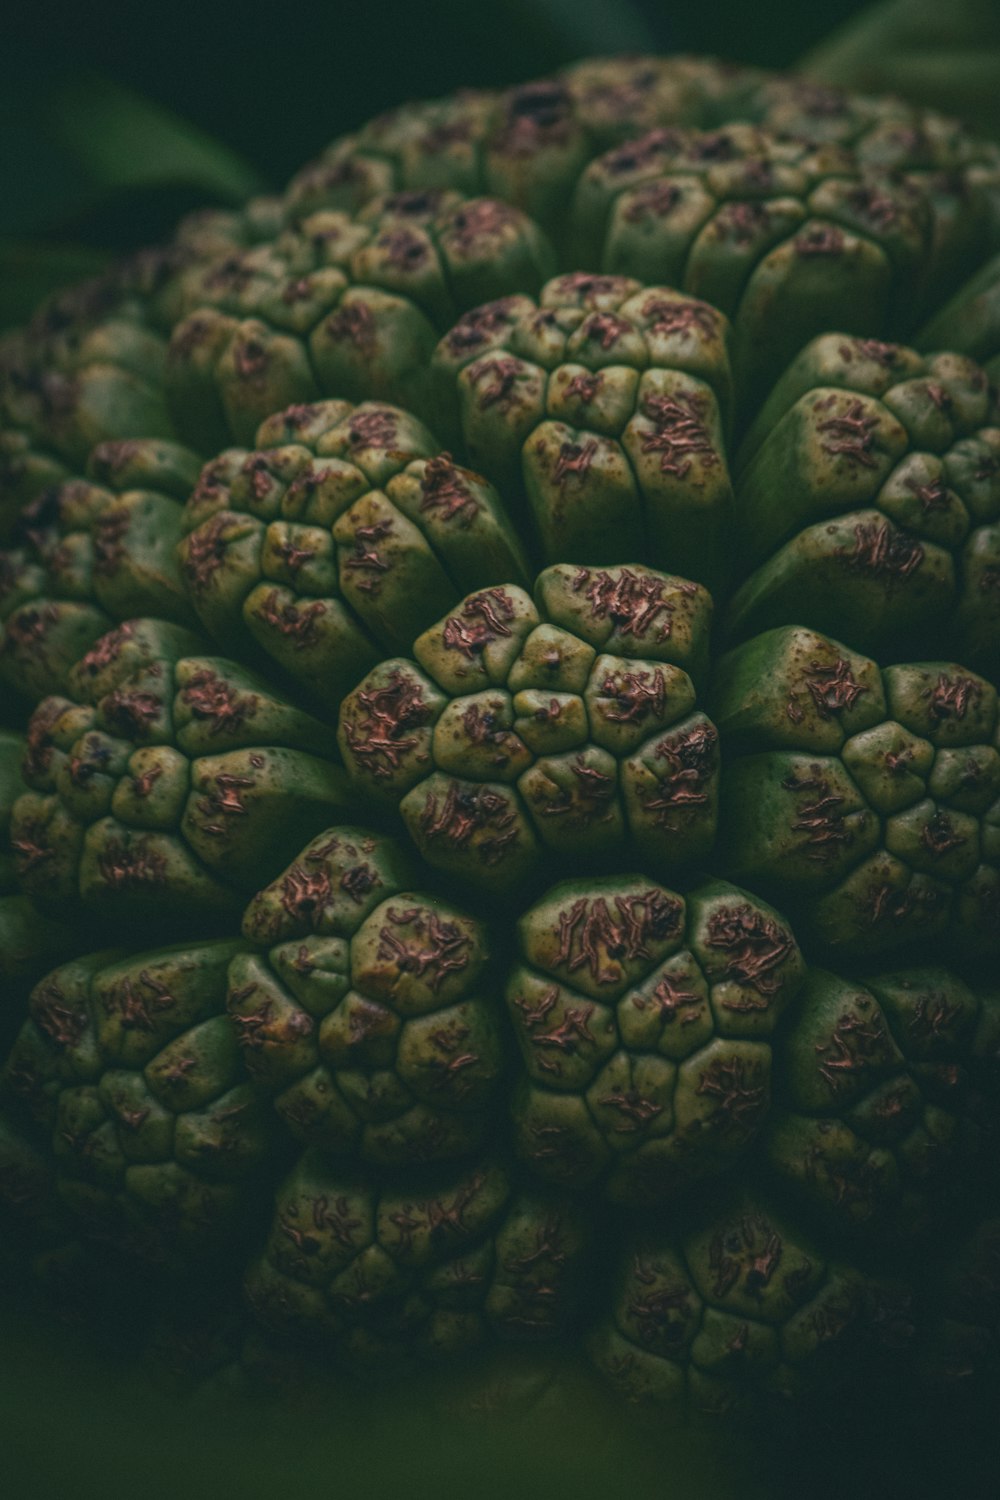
<point x="500" y="751"/>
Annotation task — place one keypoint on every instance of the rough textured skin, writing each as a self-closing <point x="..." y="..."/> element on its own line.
<point x="131" y="1068"/>
<point x="869" y="798"/>
<point x="372" y="1020"/>
<point x="600" y="411"/>
<point x="338" y="541"/>
<point x="517" y="730"/>
<point x="743" y="1308"/>
<point x="644" y="1023"/>
<point x="351" y="305"/>
<point x="380" y="1272"/>
<point x="91" y="552"/>
<point x="168" y="782"/>
<point x="868" y="496"/>
<point x="886" y="1105"/>
<point x="29" y="940"/>
<point x="648" y="313"/>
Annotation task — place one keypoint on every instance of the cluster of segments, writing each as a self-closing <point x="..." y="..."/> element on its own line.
<point x="168" y="782"/>
<point x="339" y="538"/>
<point x="131" y="1067"/>
<point x="744" y="1307"/>
<point x="30" y="942"/>
<point x="958" y="174"/>
<point x="645" y="1021"/>
<point x="90" y="365"/>
<point x="346" y="305"/>
<point x="751" y="222"/>
<point x="882" y="1116"/>
<point x="867" y="798"/>
<point x="529" y="144"/>
<point x="90" y="552"/>
<point x="868" y="502"/>
<point x="600" y="411"/>
<point x="208" y="232"/>
<point x="380" y="1270"/>
<point x="89" y="368"/>
<point x="570" y="726"/>
<point x="367" y="1011"/>
<point x="381" y="210"/>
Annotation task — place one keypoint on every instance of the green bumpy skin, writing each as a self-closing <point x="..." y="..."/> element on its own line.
<point x="26" y="470"/>
<point x="620" y="97"/>
<point x="29" y="940"/>
<point x="741" y="1311"/>
<point x="337" y="541"/>
<point x="349" y="306"/>
<point x="88" y="369"/>
<point x="90" y="365"/>
<point x="93" y="551"/>
<point x="752" y="224"/>
<point x="202" y="239"/>
<point x="867" y="799"/>
<point x="444" y="250"/>
<point x="600" y="412"/>
<point x="132" y="1068"/>
<point x="369" y="1016"/>
<point x="868" y="503"/>
<point x="168" y="782"/>
<point x="526" y="145"/>
<point x="164" y="781"/>
<point x="379" y="1271"/>
<point x="959" y="174"/>
<point x="529" y="144"/>
<point x="884" y="1114"/>
<point x="208" y="231"/>
<point x="644" y="1021"/>
<point x="569" y="726"/>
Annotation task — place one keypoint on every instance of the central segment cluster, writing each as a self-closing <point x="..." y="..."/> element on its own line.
<point x="571" y="725"/>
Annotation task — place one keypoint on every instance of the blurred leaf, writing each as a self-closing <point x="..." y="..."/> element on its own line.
<point x="29" y="271"/>
<point x="121" y="140"/>
<point x="72" y="141"/>
<point x="940" y="53"/>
